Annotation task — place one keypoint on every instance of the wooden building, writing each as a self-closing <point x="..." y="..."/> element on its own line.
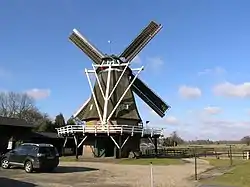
<point x="12" y="130"/>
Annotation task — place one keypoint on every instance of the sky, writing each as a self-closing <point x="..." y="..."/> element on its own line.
<point x="197" y="63"/>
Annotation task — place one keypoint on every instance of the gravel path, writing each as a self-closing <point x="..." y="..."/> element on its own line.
<point x="81" y="174"/>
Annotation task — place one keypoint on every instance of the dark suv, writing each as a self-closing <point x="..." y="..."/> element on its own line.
<point x="32" y="157"/>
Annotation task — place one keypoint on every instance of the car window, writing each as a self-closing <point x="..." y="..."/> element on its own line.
<point x="30" y="150"/>
<point x="48" y="150"/>
<point x="19" y="150"/>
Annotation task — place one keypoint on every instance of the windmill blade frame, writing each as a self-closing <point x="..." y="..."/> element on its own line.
<point x="141" y="41"/>
<point x="149" y="97"/>
<point x="82" y="43"/>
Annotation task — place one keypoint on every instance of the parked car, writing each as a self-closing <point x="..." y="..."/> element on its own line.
<point x="30" y="156"/>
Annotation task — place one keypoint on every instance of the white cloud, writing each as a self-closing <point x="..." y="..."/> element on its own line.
<point x="212" y="110"/>
<point x="233" y="90"/>
<point x="171" y="120"/>
<point x="137" y="60"/>
<point x="189" y="92"/>
<point x="38" y="93"/>
<point x="224" y="129"/>
<point x="155" y="62"/>
<point x="216" y="70"/>
<point x="208" y="127"/>
<point x="4" y="73"/>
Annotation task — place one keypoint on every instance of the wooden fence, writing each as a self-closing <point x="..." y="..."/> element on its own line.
<point x="200" y="152"/>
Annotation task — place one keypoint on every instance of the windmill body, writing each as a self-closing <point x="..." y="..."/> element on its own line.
<point x="115" y="100"/>
<point x="109" y="119"/>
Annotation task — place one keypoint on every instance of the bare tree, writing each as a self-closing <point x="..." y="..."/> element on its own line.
<point x="15" y="104"/>
<point x="20" y="105"/>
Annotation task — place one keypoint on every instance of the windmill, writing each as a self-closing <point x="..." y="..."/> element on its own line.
<point x="112" y="103"/>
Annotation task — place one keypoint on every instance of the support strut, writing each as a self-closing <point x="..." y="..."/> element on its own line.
<point x="78" y="145"/>
<point x="120" y="145"/>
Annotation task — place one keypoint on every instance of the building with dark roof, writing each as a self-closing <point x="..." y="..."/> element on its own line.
<point x="6" y="121"/>
<point x="12" y="129"/>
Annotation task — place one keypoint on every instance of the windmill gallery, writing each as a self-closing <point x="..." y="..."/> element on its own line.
<point x="108" y="123"/>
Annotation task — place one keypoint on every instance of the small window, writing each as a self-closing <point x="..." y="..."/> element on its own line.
<point x="127" y="107"/>
<point x="91" y="106"/>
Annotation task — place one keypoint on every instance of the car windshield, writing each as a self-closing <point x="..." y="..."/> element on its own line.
<point x="48" y="150"/>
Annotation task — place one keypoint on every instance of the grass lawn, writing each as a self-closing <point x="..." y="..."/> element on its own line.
<point x="155" y="161"/>
<point x="68" y="159"/>
<point x="224" y="162"/>
<point x="239" y="176"/>
<point x="141" y="161"/>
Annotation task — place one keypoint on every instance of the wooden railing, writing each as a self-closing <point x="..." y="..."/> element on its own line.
<point x="121" y="129"/>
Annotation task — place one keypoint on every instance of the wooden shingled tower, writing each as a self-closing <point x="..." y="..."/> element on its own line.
<point x="112" y="105"/>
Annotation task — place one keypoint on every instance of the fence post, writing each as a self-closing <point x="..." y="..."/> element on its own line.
<point x="231" y="156"/>
<point x="195" y="164"/>
<point x="151" y="175"/>
<point x="195" y="161"/>
<point x="247" y="155"/>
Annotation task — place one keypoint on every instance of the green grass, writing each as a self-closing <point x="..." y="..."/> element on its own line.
<point x="68" y="159"/>
<point x="141" y="161"/>
<point x="155" y="161"/>
<point x="238" y="176"/>
<point x="224" y="162"/>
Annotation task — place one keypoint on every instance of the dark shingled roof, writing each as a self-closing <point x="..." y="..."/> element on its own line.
<point x="45" y="134"/>
<point x="14" y="122"/>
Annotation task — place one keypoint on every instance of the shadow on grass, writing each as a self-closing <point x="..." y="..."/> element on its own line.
<point x="6" y="182"/>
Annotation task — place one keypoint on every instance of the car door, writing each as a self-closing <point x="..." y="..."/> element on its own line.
<point x="15" y="155"/>
<point x="23" y="153"/>
<point x="20" y="154"/>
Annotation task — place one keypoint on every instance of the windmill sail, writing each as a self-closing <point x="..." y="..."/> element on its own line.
<point x="86" y="47"/>
<point x="149" y="97"/>
<point x="141" y="41"/>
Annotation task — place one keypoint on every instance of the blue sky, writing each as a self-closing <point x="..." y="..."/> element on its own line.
<point x="197" y="63"/>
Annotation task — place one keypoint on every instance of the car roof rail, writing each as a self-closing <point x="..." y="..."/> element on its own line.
<point x="38" y="145"/>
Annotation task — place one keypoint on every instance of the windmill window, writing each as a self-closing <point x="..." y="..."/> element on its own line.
<point x="126" y="106"/>
<point x="91" y="106"/>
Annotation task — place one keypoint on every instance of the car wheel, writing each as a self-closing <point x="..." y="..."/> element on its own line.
<point x="28" y="167"/>
<point x="5" y="163"/>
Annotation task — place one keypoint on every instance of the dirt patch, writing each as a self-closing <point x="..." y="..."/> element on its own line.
<point x="81" y="174"/>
